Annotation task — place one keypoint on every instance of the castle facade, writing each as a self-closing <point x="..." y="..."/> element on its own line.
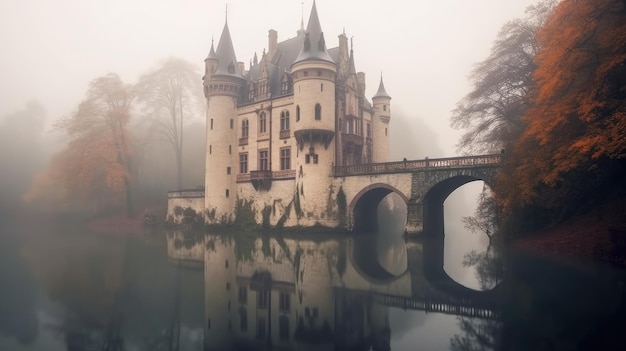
<point x="276" y="130"/>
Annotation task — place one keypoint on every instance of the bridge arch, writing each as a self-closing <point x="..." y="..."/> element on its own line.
<point x="364" y="205"/>
<point x="433" y="212"/>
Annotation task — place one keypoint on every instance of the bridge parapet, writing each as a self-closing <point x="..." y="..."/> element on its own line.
<point x="419" y="165"/>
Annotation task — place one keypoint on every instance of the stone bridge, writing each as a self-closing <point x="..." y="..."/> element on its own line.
<point x="423" y="184"/>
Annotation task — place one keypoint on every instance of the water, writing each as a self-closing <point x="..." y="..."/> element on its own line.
<point x="68" y="289"/>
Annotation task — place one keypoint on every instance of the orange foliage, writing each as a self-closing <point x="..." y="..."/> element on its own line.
<point x="578" y="114"/>
<point x="96" y="161"/>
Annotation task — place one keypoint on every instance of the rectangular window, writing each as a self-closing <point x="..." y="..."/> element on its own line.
<point x="243" y="163"/>
<point x="369" y="130"/>
<point x="283" y="328"/>
<point x="227" y="170"/>
<point x="210" y="149"/>
<point x="243" y="294"/>
<point x="243" y="320"/>
<point x="284" y="120"/>
<point x="232" y="124"/>
<point x="260" y="328"/>
<point x="284" y="301"/>
<point x="285" y="158"/>
<point x="211" y="123"/>
<point x="227" y="193"/>
<point x="264" y="164"/>
<point x="262" y="123"/>
<point x="230" y="149"/>
<point x="262" y="299"/>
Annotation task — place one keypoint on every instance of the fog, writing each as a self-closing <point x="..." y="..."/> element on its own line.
<point x="52" y="50"/>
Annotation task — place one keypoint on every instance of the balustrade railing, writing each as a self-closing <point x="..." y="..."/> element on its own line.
<point x="415" y="165"/>
<point x="255" y="175"/>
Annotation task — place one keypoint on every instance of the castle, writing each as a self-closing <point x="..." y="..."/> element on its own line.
<point x="276" y="130"/>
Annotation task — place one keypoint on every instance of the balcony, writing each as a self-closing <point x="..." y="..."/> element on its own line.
<point x="352" y="139"/>
<point x="261" y="179"/>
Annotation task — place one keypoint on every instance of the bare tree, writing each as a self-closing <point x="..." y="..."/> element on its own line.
<point x="491" y="113"/>
<point x="170" y="96"/>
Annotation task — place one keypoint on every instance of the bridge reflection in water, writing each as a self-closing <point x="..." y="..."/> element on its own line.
<point x="263" y="292"/>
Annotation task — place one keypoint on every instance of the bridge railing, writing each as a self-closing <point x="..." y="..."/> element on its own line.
<point x="417" y="165"/>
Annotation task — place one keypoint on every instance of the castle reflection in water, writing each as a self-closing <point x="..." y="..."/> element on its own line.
<point x="264" y="292"/>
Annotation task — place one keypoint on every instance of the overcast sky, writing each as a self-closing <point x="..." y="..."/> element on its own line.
<point x="424" y="49"/>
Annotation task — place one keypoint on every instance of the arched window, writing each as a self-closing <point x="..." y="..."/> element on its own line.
<point x="244" y="128"/>
<point x="297" y="113"/>
<point x="284" y="120"/>
<point x="318" y="112"/>
<point x="262" y="122"/>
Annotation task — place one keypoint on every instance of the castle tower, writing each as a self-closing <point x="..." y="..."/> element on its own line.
<point x="314" y="73"/>
<point x="222" y="83"/>
<point x="382" y="115"/>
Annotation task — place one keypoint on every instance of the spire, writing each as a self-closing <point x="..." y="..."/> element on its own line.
<point x="211" y="52"/>
<point x="301" y="30"/>
<point x="314" y="46"/>
<point x="381" y="93"/>
<point x="225" y="54"/>
<point x="351" y="68"/>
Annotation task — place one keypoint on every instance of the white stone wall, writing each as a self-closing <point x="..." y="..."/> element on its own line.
<point x="184" y="199"/>
<point x="220" y="135"/>
<point x="380" y="125"/>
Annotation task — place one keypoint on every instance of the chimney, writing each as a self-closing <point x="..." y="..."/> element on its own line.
<point x="361" y="82"/>
<point x="273" y="43"/>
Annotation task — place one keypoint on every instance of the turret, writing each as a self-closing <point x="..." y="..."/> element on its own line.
<point x="314" y="73"/>
<point x="222" y="90"/>
<point x="382" y="115"/>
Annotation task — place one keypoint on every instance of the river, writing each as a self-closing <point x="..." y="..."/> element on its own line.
<point x="68" y="289"/>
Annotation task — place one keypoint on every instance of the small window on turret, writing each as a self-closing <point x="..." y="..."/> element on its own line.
<point x="297" y="113"/>
<point x="211" y="123"/>
<point x="322" y="87"/>
<point x="318" y="112"/>
<point x="384" y="107"/>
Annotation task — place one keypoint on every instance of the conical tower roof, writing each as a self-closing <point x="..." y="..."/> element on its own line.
<point x="381" y="93"/>
<point x="211" y="52"/>
<point x="314" y="46"/>
<point x="225" y="54"/>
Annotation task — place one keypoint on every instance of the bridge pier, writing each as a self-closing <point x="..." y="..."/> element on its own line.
<point x="414" y="217"/>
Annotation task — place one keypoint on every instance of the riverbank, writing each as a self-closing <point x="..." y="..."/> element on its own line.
<point x="595" y="236"/>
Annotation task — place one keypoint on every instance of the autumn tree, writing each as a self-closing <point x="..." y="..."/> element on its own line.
<point x="170" y="96"/>
<point x="491" y="113"/>
<point x="572" y="149"/>
<point x="96" y="163"/>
